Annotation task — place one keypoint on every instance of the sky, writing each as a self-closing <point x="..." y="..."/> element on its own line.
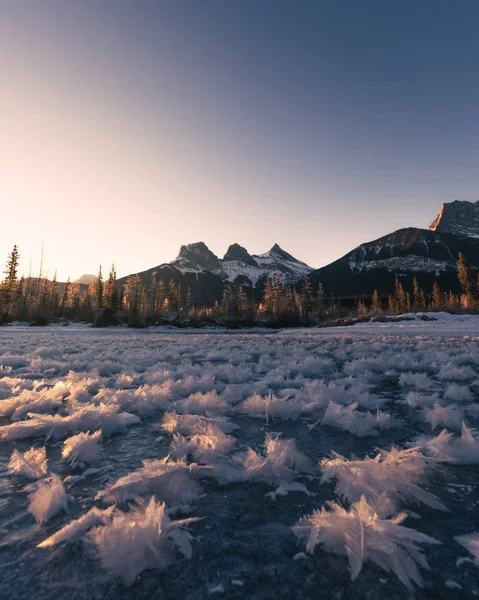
<point x="129" y="128"/>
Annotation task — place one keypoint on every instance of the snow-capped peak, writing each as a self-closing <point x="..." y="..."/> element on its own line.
<point x="238" y="265"/>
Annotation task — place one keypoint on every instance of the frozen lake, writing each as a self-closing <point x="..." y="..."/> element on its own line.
<point x="250" y="433"/>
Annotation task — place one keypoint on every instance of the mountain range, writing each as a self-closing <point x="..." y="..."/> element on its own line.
<point x="427" y="254"/>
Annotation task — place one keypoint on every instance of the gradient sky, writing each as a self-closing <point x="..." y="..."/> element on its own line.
<point x="131" y="127"/>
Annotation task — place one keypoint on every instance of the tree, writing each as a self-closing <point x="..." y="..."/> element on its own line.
<point x="111" y="298"/>
<point x="188" y="302"/>
<point x="400" y="296"/>
<point x="8" y="284"/>
<point x="65" y="296"/>
<point x="307" y="299"/>
<point x="228" y="303"/>
<point x="419" y="301"/>
<point x="437" y="297"/>
<point x="53" y="300"/>
<point x="97" y="296"/>
<point x="320" y="301"/>
<point x="376" y="303"/>
<point x="276" y="294"/>
<point x="173" y="296"/>
<point x="464" y="274"/>
<point x="131" y="298"/>
<point x="268" y="299"/>
<point x="392" y="305"/>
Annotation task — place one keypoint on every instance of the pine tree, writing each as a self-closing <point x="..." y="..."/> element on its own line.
<point x="131" y="299"/>
<point x="362" y="309"/>
<point x="307" y="299"/>
<point x="65" y="295"/>
<point x="268" y="299"/>
<point x="160" y="298"/>
<point x="437" y="297"/>
<point x="320" y="301"/>
<point x="408" y="302"/>
<point x="53" y="300"/>
<point x="392" y="306"/>
<point x="188" y="302"/>
<point x="173" y="301"/>
<point x="400" y="296"/>
<point x="464" y="274"/>
<point x="419" y="302"/>
<point x="19" y="300"/>
<point x="7" y="287"/>
<point x="376" y="303"/>
<point x="276" y="294"/>
<point x="97" y="295"/>
<point x="228" y="303"/>
<point x="111" y="299"/>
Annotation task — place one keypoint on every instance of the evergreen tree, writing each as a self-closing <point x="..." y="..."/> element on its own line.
<point x="228" y="303"/>
<point x="131" y="299"/>
<point x="307" y="299"/>
<point x="173" y="299"/>
<point x="400" y="296"/>
<point x="111" y="298"/>
<point x="276" y="294"/>
<point x="376" y="303"/>
<point x="188" y="302"/>
<point x="437" y="297"/>
<point x="268" y="299"/>
<point x="53" y="300"/>
<point x="419" y="302"/>
<point x="7" y="287"/>
<point x="65" y="296"/>
<point x="392" y="305"/>
<point x="320" y="302"/>
<point x="464" y="274"/>
<point x="97" y="295"/>
<point x="160" y="298"/>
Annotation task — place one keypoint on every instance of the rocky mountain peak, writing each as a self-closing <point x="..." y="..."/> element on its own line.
<point x="237" y="252"/>
<point x="459" y="218"/>
<point x="197" y="257"/>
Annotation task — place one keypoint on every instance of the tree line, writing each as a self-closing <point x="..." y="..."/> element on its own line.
<point x="39" y="300"/>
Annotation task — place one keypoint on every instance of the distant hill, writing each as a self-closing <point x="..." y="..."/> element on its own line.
<point x="86" y="279"/>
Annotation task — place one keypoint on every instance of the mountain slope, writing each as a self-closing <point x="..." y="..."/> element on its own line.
<point x="405" y="253"/>
<point x="459" y="218"/>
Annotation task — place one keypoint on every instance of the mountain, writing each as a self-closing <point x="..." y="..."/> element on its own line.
<point x="86" y="279"/>
<point x="459" y="218"/>
<point x="405" y="253"/>
<point x="201" y="270"/>
<point x="238" y="266"/>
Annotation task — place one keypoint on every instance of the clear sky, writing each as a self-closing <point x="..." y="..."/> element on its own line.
<point x="131" y="127"/>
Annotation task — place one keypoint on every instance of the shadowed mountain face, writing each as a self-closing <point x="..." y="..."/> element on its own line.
<point x="459" y="218"/>
<point x="406" y="253"/>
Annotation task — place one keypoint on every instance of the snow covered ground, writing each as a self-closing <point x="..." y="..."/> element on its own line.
<point x="316" y="463"/>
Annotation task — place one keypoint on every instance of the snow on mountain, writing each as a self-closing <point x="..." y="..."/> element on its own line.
<point x="459" y="218"/>
<point x="238" y="265"/>
<point x="407" y="253"/>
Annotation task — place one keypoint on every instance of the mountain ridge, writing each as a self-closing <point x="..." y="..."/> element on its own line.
<point x="458" y="217"/>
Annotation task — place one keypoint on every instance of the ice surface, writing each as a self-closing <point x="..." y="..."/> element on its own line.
<point x="48" y="499"/>
<point x="248" y="431"/>
<point x="361" y="535"/>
